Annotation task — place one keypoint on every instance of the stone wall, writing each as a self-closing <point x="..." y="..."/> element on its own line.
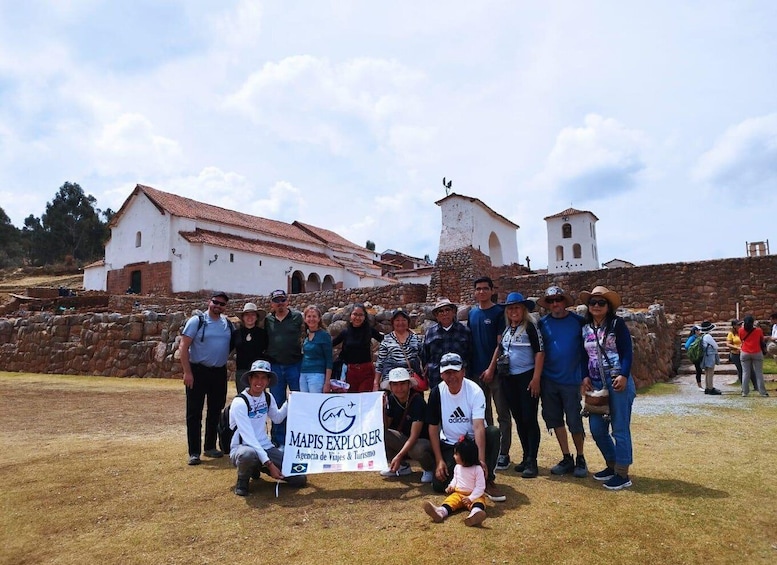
<point x="154" y="278"/>
<point x="703" y="290"/>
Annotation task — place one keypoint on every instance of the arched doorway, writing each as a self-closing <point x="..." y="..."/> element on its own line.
<point x="495" y="250"/>
<point x="314" y="283"/>
<point x="297" y="282"/>
<point x="329" y="283"/>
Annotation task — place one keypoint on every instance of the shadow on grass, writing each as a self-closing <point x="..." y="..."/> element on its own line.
<point x="263" y="492"/>
<point x="674" y="487"/>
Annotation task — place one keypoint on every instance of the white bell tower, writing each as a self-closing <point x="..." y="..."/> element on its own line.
<point x="572" y="241"/>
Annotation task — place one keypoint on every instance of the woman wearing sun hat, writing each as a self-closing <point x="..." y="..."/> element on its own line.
<point x="521" y="341"/>
<point x="608" y="343"/>
<point x="250" y="341"/>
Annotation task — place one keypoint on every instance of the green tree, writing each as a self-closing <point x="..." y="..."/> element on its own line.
<point x="70" y="226"/>
<point x="11" y="250"/>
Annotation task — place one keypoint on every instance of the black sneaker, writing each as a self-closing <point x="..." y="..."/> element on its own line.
<point x="581" y="469"/>
<point x="194" y="459"/>
<point x="605" y="474"/>
<point x="566" y="465"/>
<point x="712" y="391"/>
<point x="520" y="467"/>
<point x="503" y="462"/>
<point x="530" y="471"/>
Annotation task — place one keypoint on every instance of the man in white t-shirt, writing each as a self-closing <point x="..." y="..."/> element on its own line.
<point x="456" y="408"/>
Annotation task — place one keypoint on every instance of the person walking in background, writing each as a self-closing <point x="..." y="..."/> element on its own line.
<point x="250" y="341"/>
<point x="399" y="348"/>
<point x="734" y="346"/>
<point x="522" y="343"/>
<point x="486" y="323"/>
<point x="562" y="377"/>
<point x="204" y="350"/>
<point x="693" y="336"/>
<point x="284" y="349"/>
<point x="316" y="369"/>
<point x="710" y="358"/>
<point x="752" y="356"/>
<point x="448" y="335"/>
<point x="356" y="351"/>
<point x="607" y="342"/>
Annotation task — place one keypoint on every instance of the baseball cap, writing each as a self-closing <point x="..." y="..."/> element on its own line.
<point x="278" y="294"/>
<point x="451" y="362"/>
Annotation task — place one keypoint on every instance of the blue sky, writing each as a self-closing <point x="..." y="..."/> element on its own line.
<point x="660" y="117"/>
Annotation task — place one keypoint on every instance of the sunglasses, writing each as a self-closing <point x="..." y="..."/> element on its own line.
<point x="597" y="302"/>
<point x="554" y="299"/>
<point x="279" y="300"/>
<point x="218" y="302"/>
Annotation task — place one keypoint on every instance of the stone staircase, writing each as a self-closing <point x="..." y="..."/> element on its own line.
<point x="719" y="334"/>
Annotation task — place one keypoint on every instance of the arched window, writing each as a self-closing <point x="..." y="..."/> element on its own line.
<point x="313" y="284"/>
<point x="559" y="253"/>
<point x="577" y="252"/>
<point x="495" y="250"/>
<point x="138" y="238"/>
<point x="566" y="231"/>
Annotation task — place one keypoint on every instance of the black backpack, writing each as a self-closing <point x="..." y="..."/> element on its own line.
<point x="225" y="432"/>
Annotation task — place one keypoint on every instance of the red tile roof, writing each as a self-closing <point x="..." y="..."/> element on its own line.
<point x="570" y="212"/>
<point x="187" y="208"/>
<point x="259" y="246"/>
<point x="329" y="237"/>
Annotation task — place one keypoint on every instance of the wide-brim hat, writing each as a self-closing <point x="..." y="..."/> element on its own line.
<point x="251" y="307"/>
<point x="443" y="303"/>
<point x="517" y="298"/>
<point x="707" y="326"/>
<point x="400" y="375"/>
<point x="609" y="295"/>
<point x="555" y="292"/>
<point x="262" y="366"/>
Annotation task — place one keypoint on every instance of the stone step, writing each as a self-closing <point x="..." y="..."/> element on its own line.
<point x="723" y="369"/>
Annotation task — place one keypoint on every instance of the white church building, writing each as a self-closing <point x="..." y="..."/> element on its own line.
<point x="165" y="243"/>
<point x="572" y="241"/>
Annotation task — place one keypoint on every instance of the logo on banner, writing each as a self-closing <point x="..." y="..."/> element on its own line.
<point x="337" y="414"/>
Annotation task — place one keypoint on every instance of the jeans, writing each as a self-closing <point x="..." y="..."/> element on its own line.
<point x="492" y="453"/>
<point x="524" y="408"/>
<point x="616" y="447"/>
<point x="246" y="459"/>
<point x="288" y="375"/>
<point x="210" y="382"/>
<point x="752" y="366"/>
<point x="312" y="382"/>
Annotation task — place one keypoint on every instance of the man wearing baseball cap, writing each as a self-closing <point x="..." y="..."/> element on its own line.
<point x="457" y="408"/>
<point x="284" y="349"/>
<point x="251" y="449"/>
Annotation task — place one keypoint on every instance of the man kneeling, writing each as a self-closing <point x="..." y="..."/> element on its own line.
<point x="251" y="448"/>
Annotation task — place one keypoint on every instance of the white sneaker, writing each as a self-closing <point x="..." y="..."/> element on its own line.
<point x="427" y="476"/>
<point x="404" y="470"/>
<point x="475" y="518"/>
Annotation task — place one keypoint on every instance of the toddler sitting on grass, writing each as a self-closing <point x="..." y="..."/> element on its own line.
<point x="466" y="489"/>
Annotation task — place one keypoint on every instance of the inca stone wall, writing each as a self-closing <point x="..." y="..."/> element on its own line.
<point x="455" y="272"/>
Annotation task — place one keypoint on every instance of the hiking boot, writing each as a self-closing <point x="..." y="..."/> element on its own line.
<point x="531" y="470"/>
<point x="427" y="477"/>
<point x="213" y="453"/>
<point x="493" y="492"/>
<point x="475" y="518"/>
<point x="194" y="460"/>
<point x="436" y="513"/>
<point x="241" y="487"/>
<point x="566" y="465"/>
<point x="605" y="474"/>
<point x="404" y="469"/>
<point x="581" y="469"/>
<point x="617" y="482"/>
<point x="503" y="462"/>
<point x="520" y="466"/>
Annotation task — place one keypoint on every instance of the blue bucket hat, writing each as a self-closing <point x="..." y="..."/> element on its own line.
<point x="517" y="298"/>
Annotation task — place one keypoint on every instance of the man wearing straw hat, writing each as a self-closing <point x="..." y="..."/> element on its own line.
<point x="448" y="335"/>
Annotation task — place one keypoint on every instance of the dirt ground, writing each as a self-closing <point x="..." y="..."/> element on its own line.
<point x="16" y="281"/>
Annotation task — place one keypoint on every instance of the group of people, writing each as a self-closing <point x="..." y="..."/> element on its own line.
<point x="502" y="358"/>
<point x="746" y="343"/>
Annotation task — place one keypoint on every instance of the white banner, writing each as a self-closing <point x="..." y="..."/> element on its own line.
<point x="332" y="433"/>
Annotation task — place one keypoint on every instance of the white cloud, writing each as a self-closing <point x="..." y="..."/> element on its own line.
<point x="596" y="160"/>
<point x="743" y="160"/>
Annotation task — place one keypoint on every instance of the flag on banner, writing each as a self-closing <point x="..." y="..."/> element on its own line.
<point x="332" y="433"/>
